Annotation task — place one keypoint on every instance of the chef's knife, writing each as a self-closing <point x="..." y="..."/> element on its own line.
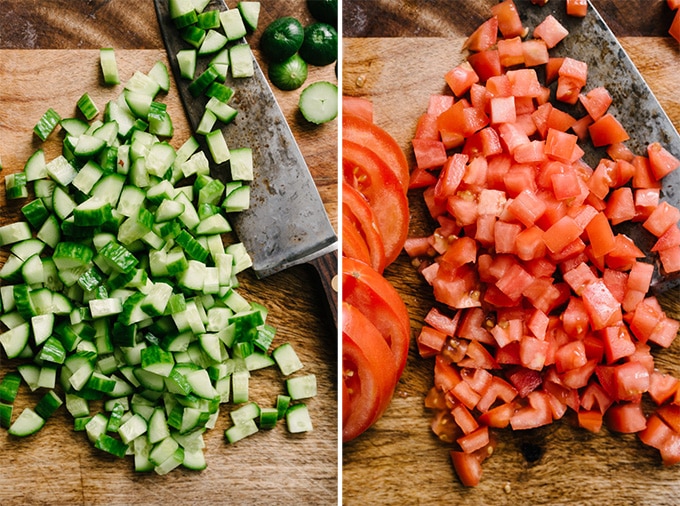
<point x="634" y="105"/>
<point x="286" y="223"/>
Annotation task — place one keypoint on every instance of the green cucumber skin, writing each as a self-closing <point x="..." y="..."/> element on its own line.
<point x="320" y="45"/>
<point x="282" y="38"/>
<point x="288" y="74"/>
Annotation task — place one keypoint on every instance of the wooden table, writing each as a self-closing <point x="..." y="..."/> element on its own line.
<point x="396" y="54"/>
<point x="48" y="58"/>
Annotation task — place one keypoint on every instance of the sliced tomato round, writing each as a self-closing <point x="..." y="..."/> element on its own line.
<point x="358" y="106"/>
<point x="377" y="139"/>
<point x="355" y="209"/>
<point x="353" y="244"/>
<point x="379" y="301"/>
<point x="368" y="372"/>
<point x="366" y="172"/>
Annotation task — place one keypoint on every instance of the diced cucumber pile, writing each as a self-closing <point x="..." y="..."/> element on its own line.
<point x="120" y="296"/>
<point x="215" y="50"/>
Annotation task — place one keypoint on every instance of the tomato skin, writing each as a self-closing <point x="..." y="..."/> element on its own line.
<point x="486" y="63"/>
<point x="369" y="134"/>
<point x="509" y="22"/>
<point x="356" y="210"/>
<point x="626" y="418"/>
<point x="484" y="36"/>
<point x="577" y="8"/>
<point x="596" y="102"/>
<point x="353" y="244"/>
<point x="460" y="78"/>
<point x="429" y="153"/>
<point x="368" y="372"/>
<point x="510" y="51"/>
<point x="378" y="300"/>
<point x="364" y="170"/>
<point x="468" y="468"/>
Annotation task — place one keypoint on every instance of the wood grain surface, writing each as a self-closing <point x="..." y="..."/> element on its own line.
<point x="396" y="54"/>
<point x="49" y="56"/>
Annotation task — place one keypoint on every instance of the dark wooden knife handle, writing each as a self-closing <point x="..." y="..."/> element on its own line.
<point x="327" y="268"/>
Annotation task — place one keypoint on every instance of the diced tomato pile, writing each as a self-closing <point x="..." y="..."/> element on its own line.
<point x="674" y="30"/>
<point x="376" y="329"/>
<point x="545" y="309"/>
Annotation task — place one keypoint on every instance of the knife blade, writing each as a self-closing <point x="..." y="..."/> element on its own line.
<point x="286" y="223"/>
<point x="634" y="104"/>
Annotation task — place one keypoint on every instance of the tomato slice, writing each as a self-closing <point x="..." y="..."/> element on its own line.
<point x="356" y="210"/>
<point x="369" y="134"/>
<point x="353" y="244"/>
<point x="368" y="372"/>
<point x="364" y="170"/>
<point x="377" y="299"/>
<point x="357" y="106"/>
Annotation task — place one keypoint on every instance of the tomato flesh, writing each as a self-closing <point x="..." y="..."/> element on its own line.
<point x="369" y="134"/>
<point x="377" y="299"/>
<point x="368" y="372"/>
<point x="364" y="170"/>
<point x="357" y="212"/>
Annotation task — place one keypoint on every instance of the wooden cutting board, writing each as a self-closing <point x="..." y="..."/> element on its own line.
<point x="399" y="460"/>
<point x="48" y="58"/>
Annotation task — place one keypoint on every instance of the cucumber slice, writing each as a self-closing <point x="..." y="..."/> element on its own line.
<point x="159" y="73"/>
<point x="46" y="124"/>
<point x="35" y="213"/>
<point x="301" y="387"/>
<point x="201" y="83"/>
<point x="298" y="419"/>
<point x="241" y="164"/>
<point x="237" y="200"/>
<point x="217" y="145"/>
<point x="186" y="59"/>
<point x="237" y="432"/>
<point x="212" y="43"/>
<point x="35" y="167"/>
<point x="28" y="422"/>
<point x="288" y="74"/>
<point x="15" y="340"/>
<point x="241" y="61"/>
<point x="193" y="35"/>
<point x="87" y="106"/>
<point x="319" y="102"/>
<point x="232" y="24"/>
<point x="15" y="232"/>
<point x="209" y="19"/>
<point x="250" y="12"/>
<point x="220" y="92"/>
<point x="61" y="171"/>
<point x="286" y="359"/>
<point x="139" y="103"/>
<point x="222" y="111"/>
<point x="107" y="59"/>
